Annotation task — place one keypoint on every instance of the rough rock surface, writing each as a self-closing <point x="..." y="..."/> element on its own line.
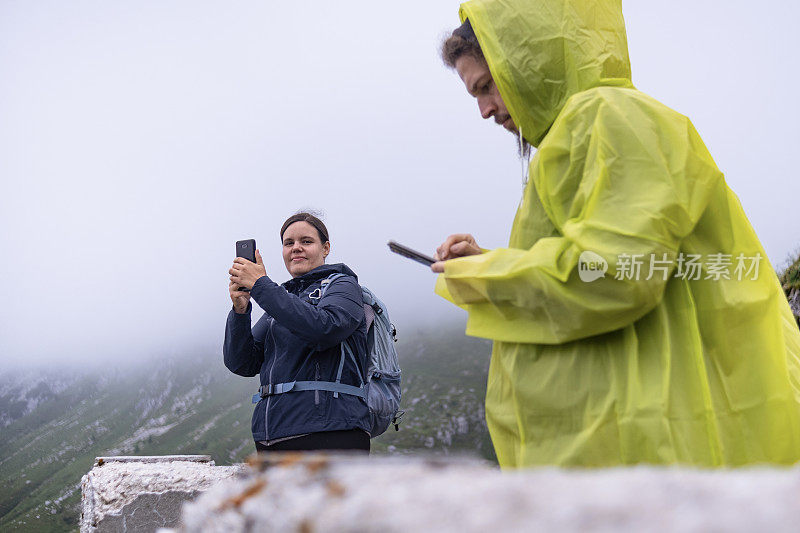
<point x="143" y="494"/>
<point x="794" y="302"/>
<point x="332" y="494"/>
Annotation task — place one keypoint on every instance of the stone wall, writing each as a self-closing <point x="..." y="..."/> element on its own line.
<point x="143" y="494"/>
<point x="321" y="494"/>
<point x="340" y="493"/>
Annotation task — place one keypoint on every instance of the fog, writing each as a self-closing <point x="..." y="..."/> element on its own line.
<point x="139" y="141"/>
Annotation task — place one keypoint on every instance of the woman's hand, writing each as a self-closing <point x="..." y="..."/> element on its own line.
<point x="244" y="273"/>
<point x="458" y="245"/>
<point x="240" y="298"/>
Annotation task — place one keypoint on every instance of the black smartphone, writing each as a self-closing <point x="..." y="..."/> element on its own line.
<point x="414" y="255"/>
<point x="247" y="250"/>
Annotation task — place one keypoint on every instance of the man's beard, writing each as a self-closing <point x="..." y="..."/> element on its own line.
<point x="523" y="147"/>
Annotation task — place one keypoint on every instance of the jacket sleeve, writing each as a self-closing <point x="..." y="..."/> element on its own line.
<point x="243" y="349"/>
<point x="335" y="317"/>
<point x="627" y="185"/>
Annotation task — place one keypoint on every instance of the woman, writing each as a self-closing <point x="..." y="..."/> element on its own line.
<point x="297" y="341"/>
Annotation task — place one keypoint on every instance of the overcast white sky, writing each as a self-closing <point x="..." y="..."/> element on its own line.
<point x="140" y="140"/>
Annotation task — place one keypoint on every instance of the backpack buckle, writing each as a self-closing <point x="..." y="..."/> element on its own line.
<point x="396" y="419"/>
<point x="266" y="390"/>
<point x="315" y="295"/>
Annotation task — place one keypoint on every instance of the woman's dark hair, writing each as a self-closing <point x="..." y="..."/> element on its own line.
<point x="311" y="219"/>
<point x="462" y="42"/>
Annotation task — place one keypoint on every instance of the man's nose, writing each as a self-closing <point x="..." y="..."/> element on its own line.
<point x="487" y="107"/>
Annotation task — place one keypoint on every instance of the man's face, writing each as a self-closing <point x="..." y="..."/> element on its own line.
<point x="479" y="83"/>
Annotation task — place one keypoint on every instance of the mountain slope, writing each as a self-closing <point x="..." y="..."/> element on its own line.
<point x="53" y="424"/>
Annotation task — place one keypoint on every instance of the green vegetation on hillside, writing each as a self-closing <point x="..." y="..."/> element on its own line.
<point x="790" y="281"/>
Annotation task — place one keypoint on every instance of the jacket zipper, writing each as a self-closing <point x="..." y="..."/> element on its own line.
<point x="316" y="392"/>
<point x="269" y="381"/>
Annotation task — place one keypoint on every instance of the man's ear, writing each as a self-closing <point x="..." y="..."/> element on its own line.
<point x="326" y="249"/>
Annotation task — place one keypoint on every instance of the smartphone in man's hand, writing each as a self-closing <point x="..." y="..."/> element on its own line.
<point x="414" y="255"/>
<point x="247" y="250"/>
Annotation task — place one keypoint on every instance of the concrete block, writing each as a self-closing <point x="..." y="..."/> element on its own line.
<point x="143" y="494"/>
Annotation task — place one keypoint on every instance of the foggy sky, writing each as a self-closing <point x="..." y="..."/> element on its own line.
<point x="139" y="141"/>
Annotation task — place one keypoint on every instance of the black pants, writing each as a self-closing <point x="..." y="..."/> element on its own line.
<point x="348" y="439"/>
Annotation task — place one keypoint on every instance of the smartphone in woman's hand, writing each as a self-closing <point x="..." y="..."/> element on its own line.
<point x="246" y="249"/>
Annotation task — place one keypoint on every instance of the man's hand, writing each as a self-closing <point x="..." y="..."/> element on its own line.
<point x="458" y="245"/>
<point x="240" y="298"/>
<point x="244" y="273"/>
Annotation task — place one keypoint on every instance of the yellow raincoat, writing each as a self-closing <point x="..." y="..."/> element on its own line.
<point x="694" y="365"/>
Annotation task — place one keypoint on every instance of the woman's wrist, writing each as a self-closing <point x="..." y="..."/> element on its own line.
<point x="241" y="310"/>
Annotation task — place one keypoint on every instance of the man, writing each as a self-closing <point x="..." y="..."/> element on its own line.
<point x="634" y="315"/>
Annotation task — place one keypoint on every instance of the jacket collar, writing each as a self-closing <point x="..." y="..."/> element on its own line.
<point x="321" y="272"/>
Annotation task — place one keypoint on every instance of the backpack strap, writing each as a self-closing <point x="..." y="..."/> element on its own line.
<point x="339" y="373"/>
<point x="282" y="388"/>
<point x="327" y="283"/>
<point x="346" y="348"/>
<point x="369" y="314"/>
<point x="369" y="309"/>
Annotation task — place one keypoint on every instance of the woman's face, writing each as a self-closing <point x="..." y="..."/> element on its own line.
<point x="303" y="251"/>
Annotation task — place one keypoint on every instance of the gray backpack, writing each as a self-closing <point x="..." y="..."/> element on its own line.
<point x="382" y="387"/>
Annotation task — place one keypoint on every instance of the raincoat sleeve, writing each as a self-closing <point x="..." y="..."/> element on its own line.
<point x="614" y="180"/>
<point x="335" y="317"/>
<point x="243" y="349"/>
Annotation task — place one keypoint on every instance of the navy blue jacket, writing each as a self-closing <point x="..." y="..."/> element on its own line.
<point x="296" y="340"/>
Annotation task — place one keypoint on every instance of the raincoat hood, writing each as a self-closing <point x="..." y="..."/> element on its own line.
<point x="541" y="52"/>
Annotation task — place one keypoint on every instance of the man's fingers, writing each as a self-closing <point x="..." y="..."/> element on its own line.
<point x="463" y="248"/>
<point x="259" y="261"/>
<point x="459" y="248"/>
<point x="438" y="267"/>
<point x="446" y="249"/>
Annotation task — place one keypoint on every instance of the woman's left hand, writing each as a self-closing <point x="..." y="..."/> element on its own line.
<point x="245" y="273"/>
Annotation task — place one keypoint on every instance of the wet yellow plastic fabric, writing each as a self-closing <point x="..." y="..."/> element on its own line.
<point x="664" y="370"/>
